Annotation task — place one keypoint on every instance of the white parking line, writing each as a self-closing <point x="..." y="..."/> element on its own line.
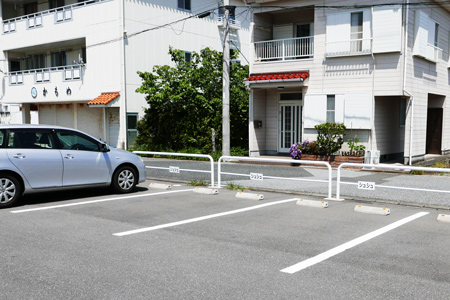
<point x="97" y="201"/>
<point x="330" y="253"/>
<point x="202" y="218"/>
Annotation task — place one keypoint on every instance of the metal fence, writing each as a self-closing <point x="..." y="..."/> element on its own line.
<point x="364" y="185"/>
<point x="259" y="176"/>
<point x="175" y="169"/>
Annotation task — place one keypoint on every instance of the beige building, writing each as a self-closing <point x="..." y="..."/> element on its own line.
<point x="382" y="70"/>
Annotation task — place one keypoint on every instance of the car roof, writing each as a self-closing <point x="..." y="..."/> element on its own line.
<point x="42" y="126"/>
<point x="30" y="126"/>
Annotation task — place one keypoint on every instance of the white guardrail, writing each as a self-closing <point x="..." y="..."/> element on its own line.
<point x="258" y="176"/>
<point x="371" y="185"/>
<point x="177" y="169"/>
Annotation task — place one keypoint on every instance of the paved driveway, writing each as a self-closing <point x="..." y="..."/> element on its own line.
<point x="177" y="244"/>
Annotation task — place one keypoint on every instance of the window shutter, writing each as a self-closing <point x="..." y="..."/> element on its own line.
<point x="358" y="111"/>
<point x="387" y="29"/>
<point x="339" y="109"/>
<point x="337" y="32"/>
<point x="314" y="110"/>
<point x="421" y="33"/>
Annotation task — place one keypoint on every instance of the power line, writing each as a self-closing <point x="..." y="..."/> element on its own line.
<point x="353" y="6"/>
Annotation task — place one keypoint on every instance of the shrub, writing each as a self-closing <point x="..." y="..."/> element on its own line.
<point x="330" y="137"/>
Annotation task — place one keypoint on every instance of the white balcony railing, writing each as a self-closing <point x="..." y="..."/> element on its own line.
<point x="62" y="14"/>
<point x="234" y="24"/>
<point x="433" y="52"/>
<point x="349" y="48"/>
<point x="285" y="49"/>
<point x="67" y="73"/>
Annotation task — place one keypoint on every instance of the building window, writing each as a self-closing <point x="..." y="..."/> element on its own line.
<point x="56" y="3"/>
<point x="30" y="8"/>
<point x="436" y="34"/>
<point x="58" y="58"/>
<point x="184" y="4"/>
<point x="36" y="61"/>
<point x="14" y="65"/>
<point x="83" y="56"/>
<point x="187" y="56"/>
<point x="132" y="132"/>
<point x="356" y="33"/>
<point x="331" y="108"/>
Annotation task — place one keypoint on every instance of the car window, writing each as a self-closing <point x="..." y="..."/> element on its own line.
<point x="2" y="138"/>
<point x="75" y="141"/>
<point x="30" y="139"/>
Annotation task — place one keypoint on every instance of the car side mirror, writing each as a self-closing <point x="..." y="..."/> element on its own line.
<point x="104" y="147"/>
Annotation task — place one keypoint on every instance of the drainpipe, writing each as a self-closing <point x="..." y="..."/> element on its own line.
<point x="411" y="98"/>
<point x="373" y="84"/>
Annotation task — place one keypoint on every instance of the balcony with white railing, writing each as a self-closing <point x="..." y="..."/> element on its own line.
<point x="433" y="53"/>
<point x="349" y="48"/>
<point x="284" y="49"/>
<point x="60" y="74"/>
<point x="45" y="17"/>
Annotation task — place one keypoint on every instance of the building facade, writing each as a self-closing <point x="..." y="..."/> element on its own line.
<point x="74" y="63"/>
<point x="382" y="70"/>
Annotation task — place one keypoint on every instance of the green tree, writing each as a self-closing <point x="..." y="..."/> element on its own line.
<point x="185" y="102"/>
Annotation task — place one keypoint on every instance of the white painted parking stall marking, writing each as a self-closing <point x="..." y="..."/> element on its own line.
<point x="231" y="212"/>
<point x="96" y="201"/>
<point x="339" y="249"/>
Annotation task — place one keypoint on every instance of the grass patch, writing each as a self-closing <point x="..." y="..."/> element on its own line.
<point x="443" y="164"/>
<point x="198" y="183"/>
<point x="235" y="187"/>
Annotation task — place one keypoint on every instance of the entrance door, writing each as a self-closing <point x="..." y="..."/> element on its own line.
<point x="289" y="125"/>
<point x="434" y="131"/>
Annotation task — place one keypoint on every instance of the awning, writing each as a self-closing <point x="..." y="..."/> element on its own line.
<point x="277" y="77"/>
<point x="104" y="98"/>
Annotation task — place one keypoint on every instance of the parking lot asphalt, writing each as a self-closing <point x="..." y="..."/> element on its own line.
<point x="199" y="246"/>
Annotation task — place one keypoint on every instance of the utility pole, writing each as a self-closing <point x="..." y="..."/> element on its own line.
<point x="226" y="83"/>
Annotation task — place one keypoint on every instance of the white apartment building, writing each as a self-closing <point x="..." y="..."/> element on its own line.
<point x="382" y="70"/>
<point x="74" y="63"/>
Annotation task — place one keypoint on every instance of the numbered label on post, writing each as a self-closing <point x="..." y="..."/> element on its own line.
<point x="174" y="169"/>
<point x="256" y="176"/>
<point x="365" y="185"/>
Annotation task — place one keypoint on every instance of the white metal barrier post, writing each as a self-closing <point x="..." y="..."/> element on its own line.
<point x="372" y="185"/>
<point x="260" y="176"/>
<point x="183" y="154"/>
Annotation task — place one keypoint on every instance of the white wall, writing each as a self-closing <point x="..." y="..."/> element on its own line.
<point x="151" y="48"/>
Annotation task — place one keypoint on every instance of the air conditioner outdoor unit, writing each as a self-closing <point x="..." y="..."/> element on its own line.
<point x="372" y="157"/>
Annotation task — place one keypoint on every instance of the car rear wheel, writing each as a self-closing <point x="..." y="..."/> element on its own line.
<point x="124" y="180"/>
<point x="10" y="191"/>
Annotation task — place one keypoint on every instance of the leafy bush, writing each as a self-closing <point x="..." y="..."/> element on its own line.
<point x="353" y="145"/>
<point x="330" y="137"/>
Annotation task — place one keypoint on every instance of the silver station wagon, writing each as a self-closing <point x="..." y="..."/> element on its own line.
<point x="44" y="157"/>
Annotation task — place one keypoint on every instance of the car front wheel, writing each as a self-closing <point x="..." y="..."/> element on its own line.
<point x="10" y="191"/>
<point x="124" y="180"/>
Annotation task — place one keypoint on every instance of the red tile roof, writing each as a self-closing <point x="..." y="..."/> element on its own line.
<point x="279" y="76"/>
<point x="104" y="98"/>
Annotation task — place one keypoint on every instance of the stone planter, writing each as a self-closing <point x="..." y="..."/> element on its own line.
<point x="333" y="160"/>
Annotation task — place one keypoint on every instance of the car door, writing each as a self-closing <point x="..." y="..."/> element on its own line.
<point x="84" y="162"/>
<point x="34" y="153"/>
